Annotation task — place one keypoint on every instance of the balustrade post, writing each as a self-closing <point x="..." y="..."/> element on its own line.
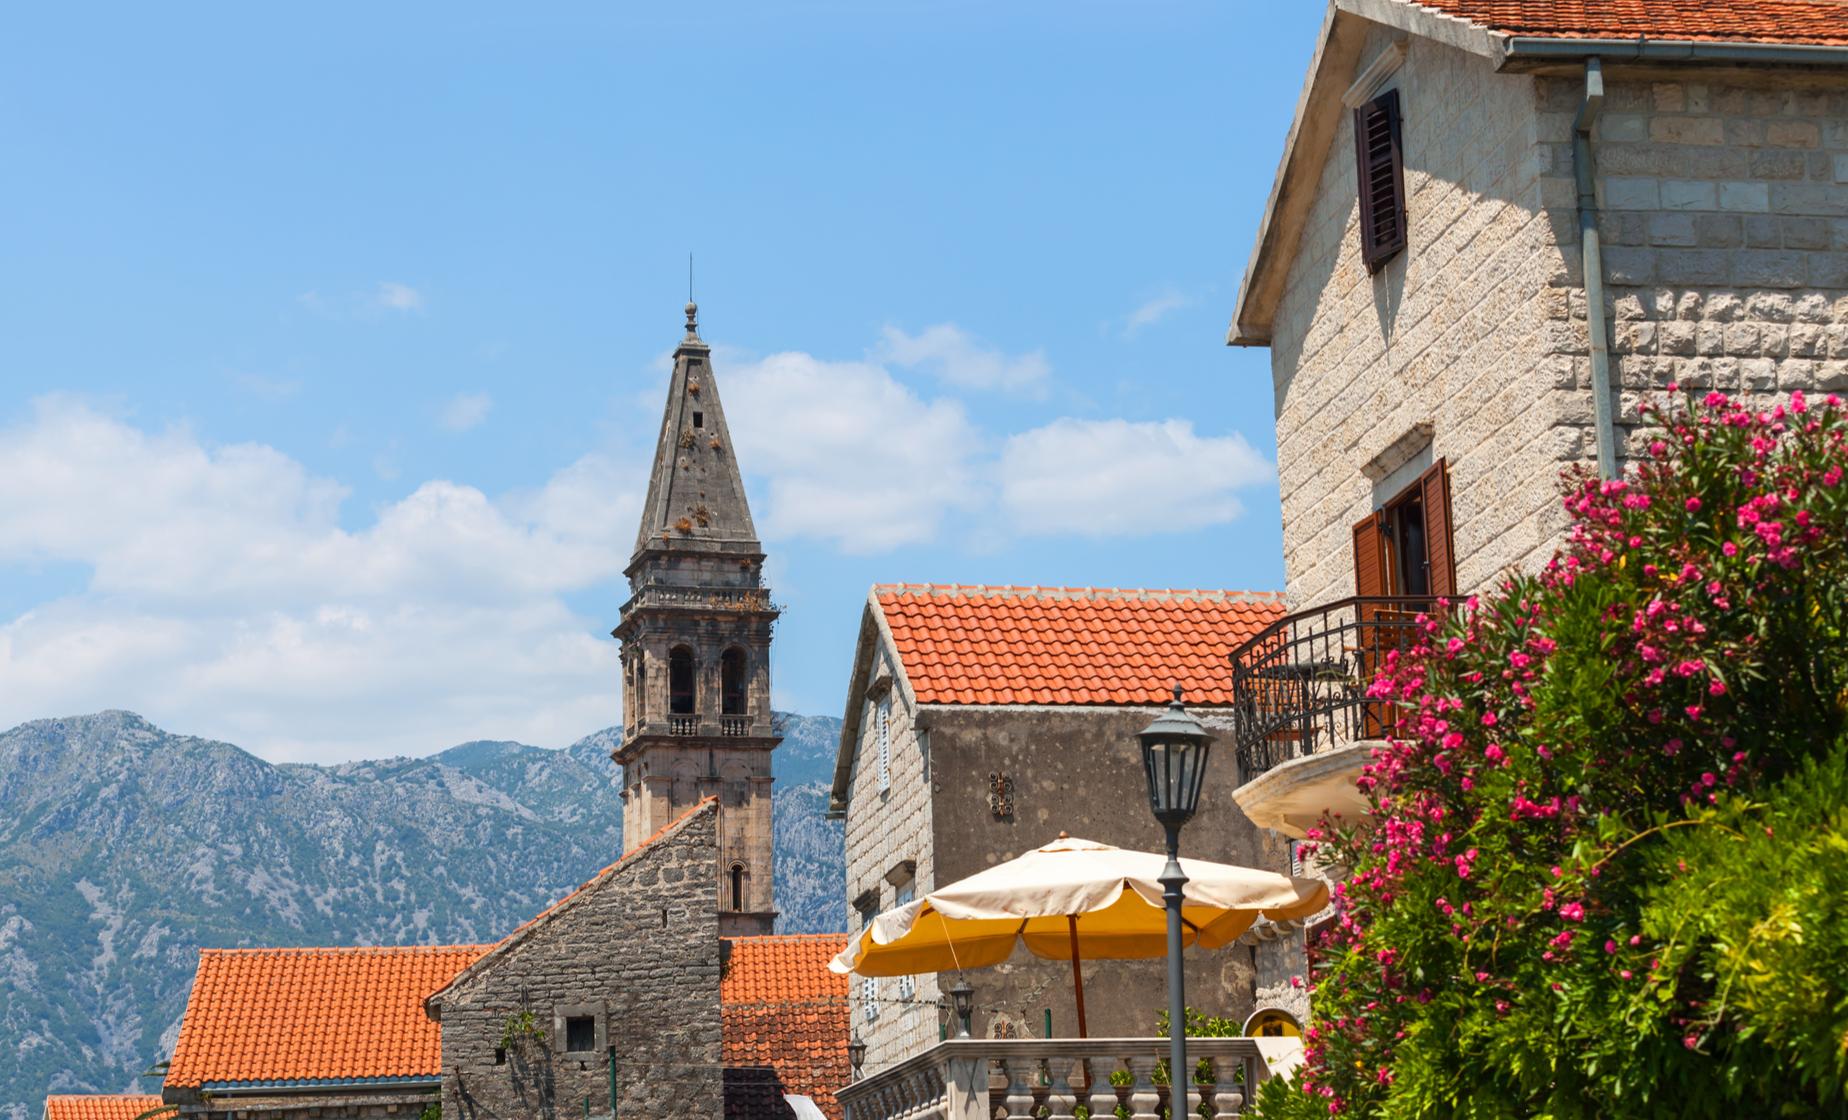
<point x="1103" y="1096"/>
<point x="1144" y="1101"/>
<point x="1060" y="1099"/>
<point x="1019" y="1101"/>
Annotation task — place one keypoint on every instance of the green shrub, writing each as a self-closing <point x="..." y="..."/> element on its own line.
<point x="1605" y="873"/>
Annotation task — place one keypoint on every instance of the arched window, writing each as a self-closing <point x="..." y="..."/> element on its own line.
<point x="737" y="684"/>
<point x="680" y="681"/>
<point x="737" y="886"/>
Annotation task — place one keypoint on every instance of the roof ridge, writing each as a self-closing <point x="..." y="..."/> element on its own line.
<point x="303" y="950"/>
<point x="762" y="937"/>
<point x="1038" y="592"/>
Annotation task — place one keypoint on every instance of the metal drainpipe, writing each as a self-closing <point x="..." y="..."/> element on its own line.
<point x="612" y="1055"/>
<point x="1586" y="173"/>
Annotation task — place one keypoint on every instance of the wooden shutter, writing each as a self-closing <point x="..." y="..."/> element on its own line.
<point x="1434" y="494"/>
<point x="1380" y="168"/>
<point x="1369" y="557"/>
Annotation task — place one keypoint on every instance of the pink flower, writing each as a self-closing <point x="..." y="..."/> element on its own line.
<point x="1693" y="505"/>
<point x="1572" y="912"/>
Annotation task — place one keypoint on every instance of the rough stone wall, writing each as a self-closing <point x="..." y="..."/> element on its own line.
<point x="1451" y="333"/>
<point x="1079" y="770"/>
<point x="1724" y="215"/>
<point x="640" y="952"/>
<point x="883" y="830"/>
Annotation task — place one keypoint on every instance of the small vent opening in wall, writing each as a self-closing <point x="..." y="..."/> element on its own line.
<point x="699" y="419"/>
<point x="580" y="1033"/>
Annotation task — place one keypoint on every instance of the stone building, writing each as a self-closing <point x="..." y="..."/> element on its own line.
<point x="656" y="988"/>
<point x="696" y="648"/>
<point x="980" y="723"/>
<point x="1496" y="228"/>
<point x="621" y="997"/>
<point x="609" y="998"/>
<point x="1434" y="310"/>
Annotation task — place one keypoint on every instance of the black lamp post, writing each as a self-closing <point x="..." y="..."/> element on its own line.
<point x="963" y="997"/>
<point x="856" y="1055"/>
<point x="1174" y="752"/>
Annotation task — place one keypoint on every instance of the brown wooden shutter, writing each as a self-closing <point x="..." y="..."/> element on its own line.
<point x="1380" y="168"/>
<point x="1434" y="493"/>
<point x="1369" y="557"/>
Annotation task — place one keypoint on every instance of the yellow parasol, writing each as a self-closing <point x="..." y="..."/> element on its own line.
<point x="1069" y="900"/>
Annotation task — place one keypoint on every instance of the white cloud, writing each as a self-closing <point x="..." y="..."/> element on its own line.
<point x="948" y="352"/>
<point x="851" y="455"/>
<point x="1152" y="311"/>
<point x="1121" y="477"/>
<point x="226" y="598"/>
<point x="464" y="411"/>
<point x="393" y="296"/>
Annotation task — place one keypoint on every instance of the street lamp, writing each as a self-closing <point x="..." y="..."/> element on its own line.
<point x="1174" y="752"/>
<point x="856" y="1055"/>
<point x="963" y="997"/>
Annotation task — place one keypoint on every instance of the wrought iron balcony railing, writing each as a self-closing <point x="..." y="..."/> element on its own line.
<point x="1300" y="685"/>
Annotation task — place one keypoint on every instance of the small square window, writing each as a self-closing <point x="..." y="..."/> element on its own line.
<point x="580" y="1034"/>
<point x="699" y="419"/>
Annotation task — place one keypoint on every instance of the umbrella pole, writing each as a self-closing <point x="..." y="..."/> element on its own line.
<point x="1077" y="974"/>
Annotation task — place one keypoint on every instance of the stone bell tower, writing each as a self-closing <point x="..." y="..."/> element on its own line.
<point x="695" y="639"/>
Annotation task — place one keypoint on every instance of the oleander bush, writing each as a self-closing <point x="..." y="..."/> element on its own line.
<point x="1605" y="872"/>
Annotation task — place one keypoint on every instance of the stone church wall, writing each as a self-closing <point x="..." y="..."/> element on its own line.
<point x="637" y="951"/>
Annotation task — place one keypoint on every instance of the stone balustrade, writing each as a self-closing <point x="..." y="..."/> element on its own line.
<point x="1058" y="1079"/>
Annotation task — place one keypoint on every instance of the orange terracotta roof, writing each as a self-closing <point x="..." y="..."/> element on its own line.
<point x="314" y="1014"/>
<point x="531" y="923"/>
<point x="1039" y="645"/>
<point x="1815" y="22"/>
<point x="783" y="1009"/>
<point x="99" y="1106"/>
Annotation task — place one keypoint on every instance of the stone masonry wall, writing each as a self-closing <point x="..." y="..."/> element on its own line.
<point x="885" y="829"/>
<point x="1079" y="770"/>
<point x="1450" y="333"/>
<point x="640" y="952"/>
<point x="1724" y="215"/>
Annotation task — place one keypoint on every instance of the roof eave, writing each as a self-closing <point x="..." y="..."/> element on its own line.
<point x="874" y="633"/>
<point x="1521" y="52"/>
<point x="1305" y="148"/>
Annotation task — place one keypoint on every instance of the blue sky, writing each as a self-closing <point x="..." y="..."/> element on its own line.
<point x="332" y="338"/>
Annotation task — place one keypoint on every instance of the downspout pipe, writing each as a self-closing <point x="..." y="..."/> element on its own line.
<point x="1585" y="171"/>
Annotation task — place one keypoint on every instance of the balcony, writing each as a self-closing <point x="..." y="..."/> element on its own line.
<point x="1302" y="718"/>
<point x="1018" y="1079"/>
<point x="746" y="599"/>
<point x="734" y="726"/>
<point x="683" y="725"/>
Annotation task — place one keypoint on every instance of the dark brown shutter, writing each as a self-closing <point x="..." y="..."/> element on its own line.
<point x="1380" y="168"/>
<point x="1369" y="557"/>
<point x="1434" y="493"/>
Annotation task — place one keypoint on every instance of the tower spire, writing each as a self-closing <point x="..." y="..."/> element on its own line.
<point x="696" y="500"/>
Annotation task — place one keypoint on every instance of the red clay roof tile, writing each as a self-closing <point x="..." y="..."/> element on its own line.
<point x="1069" y="645"/>
<point x="99" y="1106"/>
<point x="1814" y="22"/>
<point x="314" y="1014"/>
<point x="784" y="1009"/>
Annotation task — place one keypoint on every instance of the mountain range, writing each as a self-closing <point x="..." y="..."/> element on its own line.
<point x="125" y="848"/>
